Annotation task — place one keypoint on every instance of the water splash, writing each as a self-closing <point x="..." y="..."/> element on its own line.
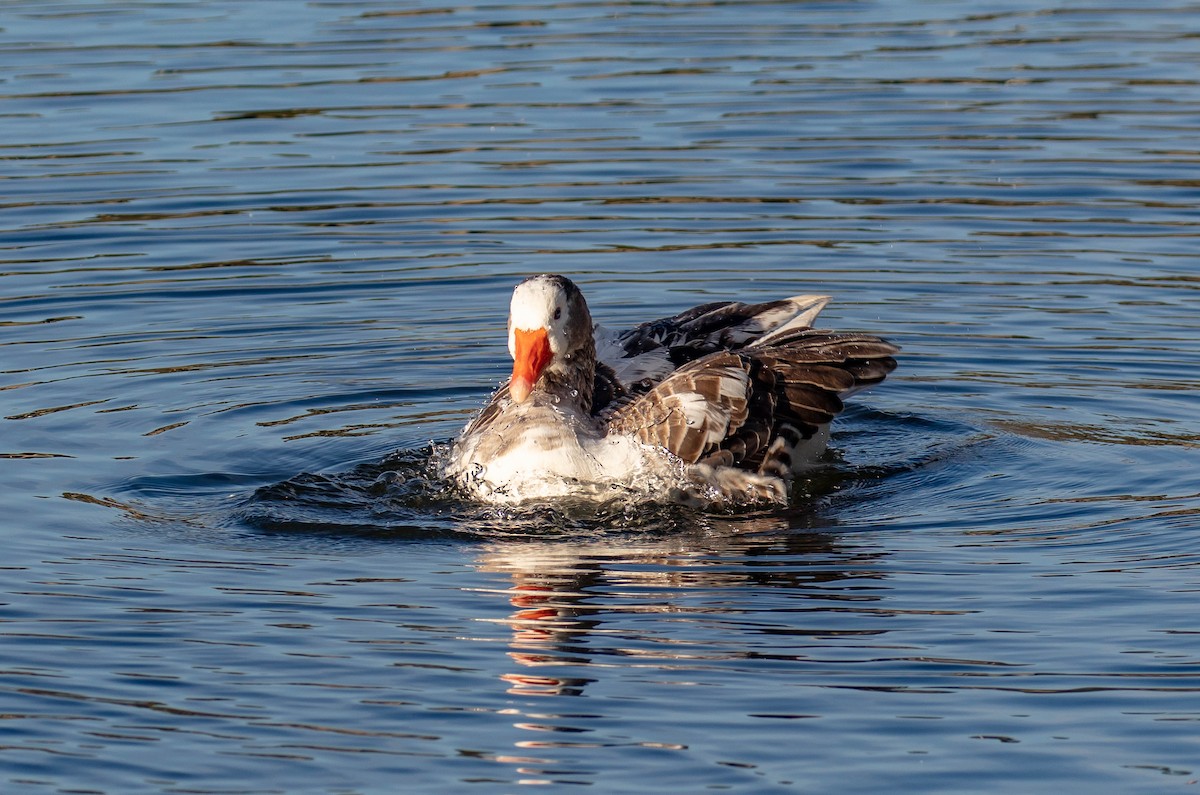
<point x="405" y="494"/>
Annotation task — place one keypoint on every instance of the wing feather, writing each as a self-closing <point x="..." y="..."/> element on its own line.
<point x="729" y="408"/>
<point x="691" y="412"/>
<point x="646" y="354"/>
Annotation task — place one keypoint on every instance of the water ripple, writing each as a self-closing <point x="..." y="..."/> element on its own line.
<point x="254" y="273"/>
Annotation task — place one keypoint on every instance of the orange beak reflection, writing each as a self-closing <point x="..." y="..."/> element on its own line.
<point x="531" y="354"/>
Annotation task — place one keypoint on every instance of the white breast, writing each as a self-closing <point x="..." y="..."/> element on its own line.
<point x="542" y="452"/>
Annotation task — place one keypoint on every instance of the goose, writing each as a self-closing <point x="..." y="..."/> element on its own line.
<point x="719" y="405"/>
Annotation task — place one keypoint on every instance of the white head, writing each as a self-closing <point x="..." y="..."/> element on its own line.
<point x="547" y="320"/>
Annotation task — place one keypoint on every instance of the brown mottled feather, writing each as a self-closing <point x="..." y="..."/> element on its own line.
<point x="660" y="416"/>
<point x="756" y="393"/>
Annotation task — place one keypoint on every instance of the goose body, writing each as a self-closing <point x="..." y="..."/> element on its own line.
<point x="720" y="404"/>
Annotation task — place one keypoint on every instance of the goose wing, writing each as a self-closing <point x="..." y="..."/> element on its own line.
<point x="727" y="407"/>
<point x="644" y="355"/>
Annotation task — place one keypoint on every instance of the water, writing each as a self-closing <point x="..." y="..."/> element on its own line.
<point x="255" y="263"/>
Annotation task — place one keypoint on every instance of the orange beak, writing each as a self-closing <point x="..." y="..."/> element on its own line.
<point x="531" y="355"/>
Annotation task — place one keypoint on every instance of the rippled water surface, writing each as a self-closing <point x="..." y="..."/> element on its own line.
<point x="254" y="271"/>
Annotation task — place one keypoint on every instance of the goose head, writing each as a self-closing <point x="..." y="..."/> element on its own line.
<point x="549" y="334"/>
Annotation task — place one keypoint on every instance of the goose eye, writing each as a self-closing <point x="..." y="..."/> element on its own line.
<point x="557" y="312"/>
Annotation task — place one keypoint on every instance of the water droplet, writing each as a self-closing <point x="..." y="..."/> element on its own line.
<point x="574" y="393"/>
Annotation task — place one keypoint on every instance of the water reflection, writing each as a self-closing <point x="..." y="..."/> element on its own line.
<point x="244" y="244"/>
<point x="679" y="607"/>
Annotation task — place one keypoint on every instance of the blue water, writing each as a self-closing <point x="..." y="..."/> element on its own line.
<point x="254" y="271"/>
